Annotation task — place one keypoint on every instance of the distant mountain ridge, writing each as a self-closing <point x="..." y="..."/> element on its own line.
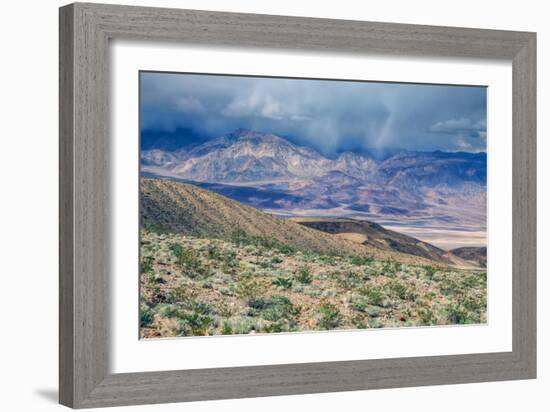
<point x="248" y="156"/>
<point x="269" y="172"/>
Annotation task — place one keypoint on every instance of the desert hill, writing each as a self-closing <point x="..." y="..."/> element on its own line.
<point x="374" y="235"/>
<point x="477" y="255"/>
<point x="184" y="208"/>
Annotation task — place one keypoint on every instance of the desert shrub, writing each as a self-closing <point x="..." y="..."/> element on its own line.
<point x="390" y="268"/>
<point x="359" y="321"/>
<point x="244" y="325"/>
<point x="304" y="275"/>
<point x="449" y="286"/>
<point x="327" y="259"/>
<point x="200" y="307"/>
<point x="240" y="238"/>
<point x="181" y="294"/>
<point x="195" y="324"/>
<point x="329" y="315"/>
<point x="429" y="271"/>
<point x="249" y="287"/>
<point x="189" y="261"/>
<point x="223" y="309"/>
<point x="473" y="281"/>
<point x="474" y="303"/>
<point x="375" y="323"/>
<point x="228" y="261"/>
<point x="147" y="264"/>
<point x="308" y="256"/>
<point x="282" y="282"/>
<point x="167" y="310"/>
<point x="213" y="252"/>
<point x="258" y="303"/>
<point x="457" y="314"/>
<point x="145" y="315"/>
<point x="227" y="328"/>
<point x="373" y="311"/>
<point x="277" y="327"/>
<point x="359" y="303"/>
<point x="276" y="259"/>
<point x="152" y="277"/>
<point x="426" y="316"/>
<point x="375" y="295"/>
<point x="401" y="291"/>
<point x="350" y="280"/>
<point x="286" y="249"/>
<point x="277" y="308"/>
<point x="154" y="228"/>
<point x="362" y="260"/>
<point x="158" y="296"/>
<point x="176" y="249"/>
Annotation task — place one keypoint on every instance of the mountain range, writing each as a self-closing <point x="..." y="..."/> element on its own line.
<point x="443" y="190"/>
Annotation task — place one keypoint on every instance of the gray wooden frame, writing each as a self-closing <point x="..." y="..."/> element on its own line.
<point x="85" y="31"/>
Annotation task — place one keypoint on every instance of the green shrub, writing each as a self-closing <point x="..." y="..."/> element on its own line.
<point x="304" y="275"/>
<point x="426" y="315"/>
<point x="213" y="252"/>
<point x="195" y="324"/>
<point x="328" y="259"/>
<point x="401" y="291"/>
<point x="391" y="268"/>
<point x="350" y="280"/>
<point x="181" y="294"/>
<point x="283" y="282"/>
<point x="456" y="314"/>
<point x="474" y="303"/>
<point x="429" y="272"/>
<point x="146" y="316"/>
<point x="329" y="316"/>
<point x="244" y="325"/>
<point x="200" y="307"/>
<point x="276" y="259"/>
<point x="359" y="303"/>
<point x="154" y="228"/>
<point x="374" y="294"/>
<point x="189" y="261"/>
<point x="147" y="264"/>
<point x="249" y="287"/>
<point x="277" y="308"/>
<point x="166" y="310"/>
<point x="277" y="327"/>
<point x="362" y="260"/>
<point x="227" y="329"/>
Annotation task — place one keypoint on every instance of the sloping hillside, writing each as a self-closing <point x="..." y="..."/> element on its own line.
<point x="187" y="209"/>
<point x="373" y="235"/>
<point x="477" y="255"/>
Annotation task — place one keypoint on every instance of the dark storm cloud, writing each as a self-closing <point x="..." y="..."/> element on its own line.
<point x="330" y="116"/>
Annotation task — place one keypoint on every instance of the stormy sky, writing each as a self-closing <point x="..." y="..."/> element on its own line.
<point x="330" y="116"/>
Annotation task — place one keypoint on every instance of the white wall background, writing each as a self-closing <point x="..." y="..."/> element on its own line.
<point x="28" y="206"/>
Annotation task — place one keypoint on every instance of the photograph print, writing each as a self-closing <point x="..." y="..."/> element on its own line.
<point x="280" y="205"/>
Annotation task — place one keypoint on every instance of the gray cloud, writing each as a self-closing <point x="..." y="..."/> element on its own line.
<point x="330" y="116"/>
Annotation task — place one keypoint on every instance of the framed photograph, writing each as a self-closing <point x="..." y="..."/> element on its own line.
<point x="256" y="205"/>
